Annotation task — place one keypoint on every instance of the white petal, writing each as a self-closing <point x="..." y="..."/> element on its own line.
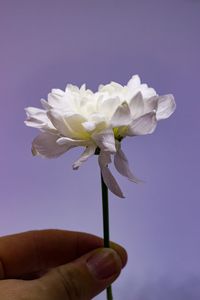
<point x="147" y="92"/>
<point x="105" y="140"/>
<point x="166" y="106"/>
<point x="55" y="98"/>
<point x="111" y="182"/>
<point x="30" y="111"/>
<point x="89" y="151"/>
<point x="45" y="104"/>
<point x="134" y="82"/>
<point x="66" y="140"/>
<point x="137" y="105"/>
<point x="122" y="166"/>
<point x="143" y="125"/>
<point x="151" y="104"/>
<point x="108" y="106"/>
<point x="75" y="123"/>
<point x="122" y="116"/>
<point x="89" y="126"/>
<point x="58" y="121"/>
<point x="37" y="118"/>
<point x="105" y="159"/>
<point x="45" y="145"/>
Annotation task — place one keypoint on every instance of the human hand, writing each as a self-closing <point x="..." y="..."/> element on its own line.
<point x="57" y="265"/>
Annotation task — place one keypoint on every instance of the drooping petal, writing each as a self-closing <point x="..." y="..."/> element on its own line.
<point x="166" y="106"/>
<point x="137" y="105"/>
<point x="105" y="140"/>
<point x="122" y="166"/>
<point x="143" y="125"/>
<point x="110" y="181"/>
<point x="89" y="151"/>
<point x="46" y="146"/>
<point x="122" y="116"/>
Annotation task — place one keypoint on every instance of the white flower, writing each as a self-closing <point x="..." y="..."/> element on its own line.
<point x="98" y="121"/>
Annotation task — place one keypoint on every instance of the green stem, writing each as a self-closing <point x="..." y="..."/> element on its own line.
<point x="106" y="226"/>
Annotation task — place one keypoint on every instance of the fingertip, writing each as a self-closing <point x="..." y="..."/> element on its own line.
<point x="121" y="252"/>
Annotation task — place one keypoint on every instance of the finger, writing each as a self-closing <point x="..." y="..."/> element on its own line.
<point x="33" y="252"/>
<point x="83" y="278"/>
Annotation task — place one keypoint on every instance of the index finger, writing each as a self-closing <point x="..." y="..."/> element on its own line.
<point x="36" y="251"/>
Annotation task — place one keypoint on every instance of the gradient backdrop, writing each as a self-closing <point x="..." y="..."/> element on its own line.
<point x="46" y="44"/>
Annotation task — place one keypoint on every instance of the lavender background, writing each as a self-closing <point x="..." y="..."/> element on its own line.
<point x="46" y="44"/>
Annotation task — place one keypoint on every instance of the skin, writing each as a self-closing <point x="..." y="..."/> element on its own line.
<point x="53" y="264"/>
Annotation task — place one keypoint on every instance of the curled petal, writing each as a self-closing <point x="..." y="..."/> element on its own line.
<point x="143" y="125"/>
<point x="66" y="140"/>
<point x="46" y="146"/>
<point x="166" y="106"/>
<point x="89" y="151"/>
<point x="105" y="140"/>
<point x="122" y="116"/>
<point x="110" y="181"/>
<point x="122" y="166"/>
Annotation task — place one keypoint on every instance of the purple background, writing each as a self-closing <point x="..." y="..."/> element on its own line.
<point x="46" y="44"/>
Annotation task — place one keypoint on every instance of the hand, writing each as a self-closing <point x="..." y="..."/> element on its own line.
<point x="57" y="265"/>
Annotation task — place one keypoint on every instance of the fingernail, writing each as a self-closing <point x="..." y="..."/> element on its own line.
<point x="104" y="263"/>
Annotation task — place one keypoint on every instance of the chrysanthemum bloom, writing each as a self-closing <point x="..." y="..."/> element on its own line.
<point x="98" y="121"/>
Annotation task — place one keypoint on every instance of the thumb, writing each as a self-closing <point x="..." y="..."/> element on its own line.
<point x="85" y="277"/>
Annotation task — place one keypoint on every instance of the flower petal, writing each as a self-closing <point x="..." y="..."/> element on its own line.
<point x="105" y="140"/>
<point x="166" y="106"/>
<point x="45" y="104"/>
<point x="108" y="106"/>
<point x="134" y="82"/>
<point x="37" y="118"/>
<point x="75" y="123"/>
<point x="122" y="166"/>
<point x="151" y="104"/>
<point x="122" y="116"/>
<point x="66" y="140"/>
<point x="137" y="105"/>
<point x="45" y="145"/>
<point x="143" y="125"/>
<point x="58" y="121"/>
<point x="56" y="97"/>
<point x="110" y="181"/>
<point x="89" y="126"/>
<point x="89" y="151"/>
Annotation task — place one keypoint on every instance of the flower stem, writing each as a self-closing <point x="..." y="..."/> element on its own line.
<point x="106" y="226"/>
